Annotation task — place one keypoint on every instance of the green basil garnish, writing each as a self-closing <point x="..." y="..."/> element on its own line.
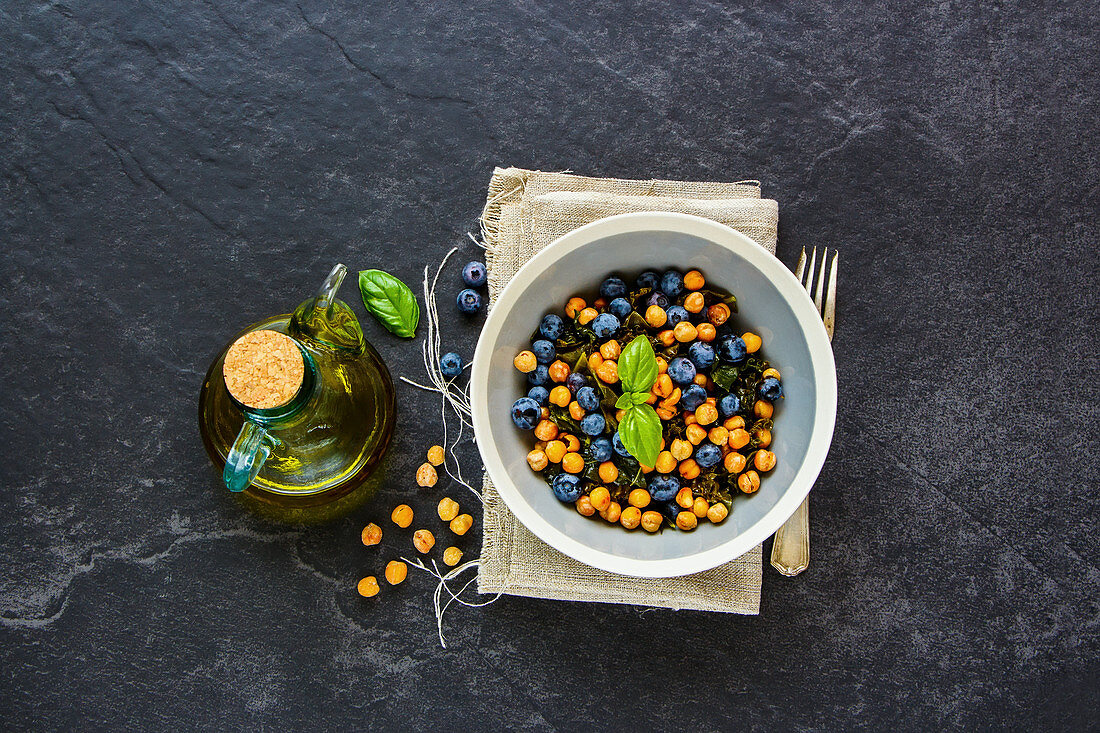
<point x="390" y="301"/>
<point x="640" y="432"/>
<point x="638" y="366"/>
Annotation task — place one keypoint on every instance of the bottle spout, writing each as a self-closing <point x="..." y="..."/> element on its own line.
<point x="327" y="322"/>
<point x="332" y="283"/>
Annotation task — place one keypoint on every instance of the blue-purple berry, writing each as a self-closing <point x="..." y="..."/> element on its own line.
<point x="474" y="274"/>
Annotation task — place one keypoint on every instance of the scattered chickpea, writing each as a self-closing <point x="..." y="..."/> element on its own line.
<point x="694" y="433"/>
<point x="560" y="395"/>
<point x="572" y="443"/>
<point x="559" y="371"/>
<point x="718" y="435"/>
<point x="608" y="372"/>
<point x="707" y="332"/>
<point x="574" y="306"/>
<point x="665" y="462"/>
<point x="764" y="460"/>
<point x="689" y="469"/>
<point x="396" y="572"/>
<point x="368" y="587"/>
<point x="572" y="463"/>
<point x="423" y="541"/>
<point x="372" y="534"/>
<point x="402" y="515"/>
<point x="684" y="498"/>
<point x="732" y="423"/>
<point x="763" y="437"/>
<point x="734" y="462"/>
<point x="584" y="507"/>
<point x="461" y="524"/>
<point x="447" y="509"/>
<point x="547" y="429"/>
<point x="630" y="517"/>
<point x="667" y="338"/>
<point x="639" y="498"/>
<point x="699" y="507"/>
<point x="752" y="341"/>
<point x="452" y="556"/>
<point x="611" y="349"/>
<point x="717" y="512"/>
<point x="651" y="521"/>
<point x="687" y="521"/>
<point x="739" y="438"/>
<point x="525" y="362"/>
<point x="770" y="372"/>
<point x="694" y="280"/>
<point x="612" y="512"/>
<point x="749" y="481"/>
<point x="763" y="409"/>
<point x="694" y="303"/>
<point x="718" y="313"/>
<point x="680" y="449"/>
<point x="608" y="472"/>
<point x="684" y="332"/>
<point x="600" y="498"/>
<point x="706" y="414"/>
<point x="586" y="316"/>
<point x="555" y="451"/>
<point x="576" y="411"/>
<point x="655" y="316"/>
<point x="426" y="475"/>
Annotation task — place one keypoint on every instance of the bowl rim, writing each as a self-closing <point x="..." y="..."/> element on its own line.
<point x="821" y="359"/>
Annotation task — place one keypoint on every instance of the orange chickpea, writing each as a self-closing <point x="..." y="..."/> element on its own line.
<point x="734" y="462"/>
<point x="699" y="507"/>
<point x="667" y="338"/>
<point x="665" y="413"/>
<point x="584" y="507"/>
<point x="574" y="306"/>
<point x="700" y="379"/>
<point x="547" y="429"/>
<point x="770" y="373"/>
<point x="544" y="413"/>
<point x="612" y="512"/>
<point x="555" y="451"/>
<point x="402" y="515"/>
<point x="763" y="409"/>
<point x="608" y="472"/>
<point x="665" y="462"/>
<point x="620" y="414"/>
<point x="600" y="498"/>
<point x="537" y="460"/>
<point x="694" y="280"/>
<point x="586" y="316"/>
<point x="525" y="362"/>
<point x="752" y="341"/>
<point x="707" y="332"/>
<point x="572" y="463"/>
<point x="671" y="401"/>
<point x="763" y="437"/>
<point x="655" y="316"/>
<point x="717" y="512"/>
<point x="718" y="435"/>
<point x="572" y="443"/>
<point x="764" y="460"/>
<point x="694" y="433"/>
<point x="447" y="509"/>
<point x="372" y="534"/>
<point x="451" y="556"/>
<point x="662" y="365"/>
<point x="560" y="395"/>
<point x="687" y="521"/>
<point x="423" y="541"/>
<point x="693" y="303"/>
<point x="559" y="371"/>
<point x="732" y="423"/>
<point x="599" y="303"/>
<point x="738" y="438"/>
<point x="639" y="498"/>
<point x="575" y="410"/>
<point x="461" y="524"/>
<point x="608" y="372"/>
<point x="368" y="587"/>
<point x="594" y="360"/>
<point x="396" y="571"/>
<point x="663" y="386"/>
<point x="684" y="332"/>
<point x="749" y="481"/>
<point x="680" y="449"/>
<point x="689" y="469"/>
<point x="611" y="350"/>
<point x="631" y="517"/>
<point x="684" y="498"/>
<point x="651" y="521"/>
<point x="706" y="414"/>
<point x="718" y="313"/>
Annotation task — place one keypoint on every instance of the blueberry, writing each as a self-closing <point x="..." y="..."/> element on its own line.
<point x="588" y="398"/>
<point x="681" y="370"/>
<point x="526" y="413"/>
<point x="648" y="279"/>
<point x="707" y="455"/>
<point x="770" y="389"/>
<point x="620" y="308"/>
<point x="657" y="298"/>
<point x="733" y="350"/>
<point x="540" y="395"/>
<point x="593" y="424"/>
<point x="468" y="301"/>
<point x="676" y="314"/>
<point x="551" y="326"/>
<point x="605" y="326"/>
<point x="539" y="376"/>
<point x="600" y="450"/>
<point x="575" y="381"/>
<point x="692" y="397"/>
<point x="567" y="487"/>
<point x="544" y="351"/>
<point x="701" y="354"/>
<point x="729" y="405"/>
<point x="450" y="364"/>
<point x="672" y="283"/>
<point x="473" y="274"/>
<point x="612" y="287"/>
<point x="617" y="444"/>
<point x="664" y="488"/>
<point x="670" y="509"/>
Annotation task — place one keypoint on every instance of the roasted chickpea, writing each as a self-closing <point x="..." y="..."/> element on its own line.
<point x="665" y="413"/>
<point x="599" y="303"/>
<point x="763" y="437"/>
<point x="396" y="571"/>
<point x="699" y="507"/>
<point x="665" y="462"/>
<point x="611" y="350"/>
<point x="689" y="469"/>
<point x="671" y="401"/>
<point x="667" y="338"/>
<point x="451" y="556"/>
<point x="738" y="438"/>
<point x="732" y="423"/>
<point x="594" y="361"/>
<point x="684" y="332"/>
<point x="402" y="515"/>
<point x="447" y="509"/>
<point x="651" y="399"/>
<point x="576" y="411"/>
<point x="547" y="429"/>
<point x="372" y="534"/>
<point x="707" y="332"/>
<point x="694" y="280"/>
<point x="694" y="433"/>
<point x="368" y="587"/>
<point x="663" y="386"/>
<point x="749" y="481"/>
<point x="426" y="475"/>
<point x="655" y="316"/>
<point x="718" y="313"/>
<point x="461" y="524"/>
<point x="693" y="303"/>
<point x="717" y="512"/>
<point x="584" y="507"/>
<point x="608" y="372"/>
<point x="525" y="362"/>
<point x="630" y="517"/>
<point x="608" y="472"/>
<point x="651" y="521"/>
<point x="689" y="418"/>
<point x="544" y="413"/>
<point x="555" y="451"/>
<point x="706" y="414"/>
<point x="560" y="396"/>
<point x="764" y="460"/>
<point x="680" y="449"/>
<point x="572" y="463"/>
<point x="559" y="371"/>
<point x="734" y="462"/>
<point x="572" y="443"/>
<point x="619" y="415"/>
<point x="600" y="498"/>
<point x="718" y="435"/>
<point x="586" y="316"/>
<point x="662" y="365"/>
<point x="423" y="541"/>
<point x="612" y="512"/>
<point x="436" y="456"/>
<point x="770" y="372"/>
<point x="752" y="342"/>
<point x="700" y="379"/>
<point x="639" y="498"/>
<point x="684" y="498"/>
<point x="687" y="521"/>
<point x="763" y="409"/>
<point x="574" y="306"/>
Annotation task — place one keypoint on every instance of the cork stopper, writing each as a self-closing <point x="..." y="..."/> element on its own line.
<point x="263" y="369"/>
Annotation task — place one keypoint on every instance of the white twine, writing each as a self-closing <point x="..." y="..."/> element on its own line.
<point x="437" y="596"/>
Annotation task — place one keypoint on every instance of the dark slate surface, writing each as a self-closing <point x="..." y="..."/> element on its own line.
<point x="173" y="171"/>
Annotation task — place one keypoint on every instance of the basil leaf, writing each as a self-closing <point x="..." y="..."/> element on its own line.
<point x="624" y="402"/>
<point x="390" y="301"/>
<point x="638" y="398"/>
<point x="640" y="432"/>
<point x="638" y="366"/>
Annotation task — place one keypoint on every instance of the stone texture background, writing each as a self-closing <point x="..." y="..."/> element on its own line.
<point x="173" y="171"/>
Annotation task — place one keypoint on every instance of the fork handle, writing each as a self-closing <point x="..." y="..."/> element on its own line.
<point x="791" y="549"/>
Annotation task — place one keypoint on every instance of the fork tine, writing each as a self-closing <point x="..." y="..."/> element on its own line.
<point x="821" y="279"/>
<point x="801" y="266"/>
<point x="808" y="277"/>
<point x="830" y="299"/>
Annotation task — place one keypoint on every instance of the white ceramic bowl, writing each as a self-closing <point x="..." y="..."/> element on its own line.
<point x="771" y="303"/>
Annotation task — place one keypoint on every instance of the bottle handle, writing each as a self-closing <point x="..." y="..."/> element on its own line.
<point x="251" y="448"/>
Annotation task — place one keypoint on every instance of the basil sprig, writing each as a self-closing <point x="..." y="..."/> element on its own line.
<point x="640" y="429"/>
<point x="390" y="301"/>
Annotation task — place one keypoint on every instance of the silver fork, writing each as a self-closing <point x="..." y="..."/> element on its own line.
<point x="791" y="549"/>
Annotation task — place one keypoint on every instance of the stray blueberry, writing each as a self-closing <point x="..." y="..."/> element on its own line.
<point x="544" y="351"/>
<point x="770" y="389"/>
<point x="593" y="423"/>
<point x="733" y="350"/>
<point x="648" y="279"/>
<point x="473" y="274"/>
<point x="617" y="444"/>
<point x="676" y="314"/>
<point x="670" y="509"/>
<point x="681" y="370"/>
<point x="588" y="399"/>
<point x="567" y="487"/>
<point x="657" y="298"/>
<point x="450" y="364"/>
<point x="539" y="375"/>
<point x="468" y="301"/>
<point x="701" y="354"/>
<point x="672" y="283"/>
<point x="707" y="455"/>
<point x="620" y="308"/>
<point x="729" y="405"/>
<point x="575" y="381"/>
<point x="540" y="395"/>
<point x="612" y="287"/>
<point x="526" y="413"/>
<point x="600" y="450"/>
<point x="605" y="326"/>
<point x="692" y="397"/>
<point x="551" y="326"/>
<point x="664" y="488"/>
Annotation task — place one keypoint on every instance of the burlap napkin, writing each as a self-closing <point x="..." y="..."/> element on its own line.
<point x="525" y="211"/>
